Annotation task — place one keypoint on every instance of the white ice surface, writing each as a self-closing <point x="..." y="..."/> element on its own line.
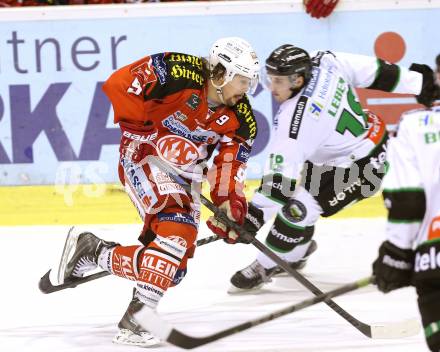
<point x="84" y="319"/>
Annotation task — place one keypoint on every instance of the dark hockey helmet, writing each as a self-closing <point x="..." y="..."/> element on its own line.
<point x="288" y="60"/>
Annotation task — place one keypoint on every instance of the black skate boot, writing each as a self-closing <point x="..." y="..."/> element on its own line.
<point x="255" y="275"/>
<point x="130" y="332"/>
<point x="80" y="255"/>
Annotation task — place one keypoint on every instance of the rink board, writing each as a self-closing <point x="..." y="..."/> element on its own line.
<point x="56" y="123"/>
<point x="102" y="203"/>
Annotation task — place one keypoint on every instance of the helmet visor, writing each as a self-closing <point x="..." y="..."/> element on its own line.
<point x="276" y="82"/>
<point x="244" y="84"/>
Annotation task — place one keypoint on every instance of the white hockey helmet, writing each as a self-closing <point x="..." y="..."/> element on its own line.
<point x="238" y="57"/>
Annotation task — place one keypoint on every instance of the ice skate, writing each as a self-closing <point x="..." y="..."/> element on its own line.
<point x="80" y="255"/>
<point x="130" y="332"/>
<point x="254" y="276"/>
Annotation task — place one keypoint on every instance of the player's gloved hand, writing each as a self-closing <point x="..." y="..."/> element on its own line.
<point x="136" y="141"/>
<point x="235" y="207"/>
<point x="253" y="221"/>
<point x="430" y="91"/>
<point x="393" y="267"/>
<point x="320" y="8"/>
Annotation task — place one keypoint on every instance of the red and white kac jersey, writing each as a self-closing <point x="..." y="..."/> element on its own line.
<point x="169" y="91"/>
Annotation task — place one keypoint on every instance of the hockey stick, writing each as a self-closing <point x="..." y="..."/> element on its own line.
<point x="390" y="330"/>
<point x="46" y="286"/>
<point x="153" y="323"/>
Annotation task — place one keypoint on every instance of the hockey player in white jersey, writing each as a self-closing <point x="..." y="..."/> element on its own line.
<point x="411" y="253"/>
<point x="321" y="132"/>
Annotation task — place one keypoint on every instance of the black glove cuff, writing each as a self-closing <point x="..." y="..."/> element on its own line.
<point x="255" y="217"/>
<point x="430" y="91"/>
<point x="406" y="255"/>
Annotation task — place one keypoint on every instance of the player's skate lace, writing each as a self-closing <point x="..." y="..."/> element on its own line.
<point x="252" y="276"/>
<point x="255" y="270"/>
<point x="85" y="254"/>
<point x="83" y="265"/>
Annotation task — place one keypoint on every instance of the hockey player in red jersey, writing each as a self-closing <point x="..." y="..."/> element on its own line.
<point x="411" y="253"/>
<point x="178" y="108"/>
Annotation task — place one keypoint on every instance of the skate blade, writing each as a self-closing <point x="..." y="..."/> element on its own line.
<point x="126" y="337"/>
<point x="68" y="250"/>
<point x="233" y="290"/>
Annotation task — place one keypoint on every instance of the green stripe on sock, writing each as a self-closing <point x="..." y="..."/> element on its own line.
<point x="432" y="329"/>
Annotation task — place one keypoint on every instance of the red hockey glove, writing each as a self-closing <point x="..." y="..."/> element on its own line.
<point x="136" y="141"/>
<point x="320" y="8"/>
<point x="235" y="208"/>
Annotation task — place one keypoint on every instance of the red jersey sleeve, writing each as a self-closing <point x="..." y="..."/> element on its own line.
<point x="125" y="89"/>
<point x="239" y="131"/>
<point x="141" y="89"/>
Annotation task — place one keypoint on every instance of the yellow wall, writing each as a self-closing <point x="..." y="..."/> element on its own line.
<point x="103" y="204"/>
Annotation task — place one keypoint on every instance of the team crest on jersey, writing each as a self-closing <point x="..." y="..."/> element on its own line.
<point x="315" y="109"/>
<point x="426" y="120"/>
<point x="177" y="150"/>
<point x="434" y="229"/>
<point x="144" y="73"/>
<point x="193" y="102"/>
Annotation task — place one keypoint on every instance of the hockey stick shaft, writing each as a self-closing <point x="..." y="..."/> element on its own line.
<point x="46" y="286"/>
<point x="222" y="217"/>
<point x="180" y="339"/>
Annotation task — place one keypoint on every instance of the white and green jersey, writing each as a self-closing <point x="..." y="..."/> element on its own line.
<point x="412" y="185"/>
<point x="324" y="123"/>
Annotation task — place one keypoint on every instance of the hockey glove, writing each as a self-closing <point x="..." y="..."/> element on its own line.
<point x="430" y="91"/>
<point x="253" y="221"/>
<point x="136" y="141"/>
<point x="320" y="8"/>
<point x="235" y="208"/>
<point x="393" y="267"/>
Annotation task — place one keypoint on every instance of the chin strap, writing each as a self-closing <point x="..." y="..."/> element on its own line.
<point x="219" y="90"/>
<point x="220" y="95"/>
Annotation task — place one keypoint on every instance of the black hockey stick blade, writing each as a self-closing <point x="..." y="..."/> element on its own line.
<point x="387" y="330"/>
<point x="153" y="323"/>
<point x="46" y="286"/>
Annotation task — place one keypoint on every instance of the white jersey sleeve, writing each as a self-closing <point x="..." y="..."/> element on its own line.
<point x="412" y="185"/>
<point x="402" y="184"/>
<point x="371" y="72"/>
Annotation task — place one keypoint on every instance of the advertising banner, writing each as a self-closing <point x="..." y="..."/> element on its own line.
<point x="56" y="124"/>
